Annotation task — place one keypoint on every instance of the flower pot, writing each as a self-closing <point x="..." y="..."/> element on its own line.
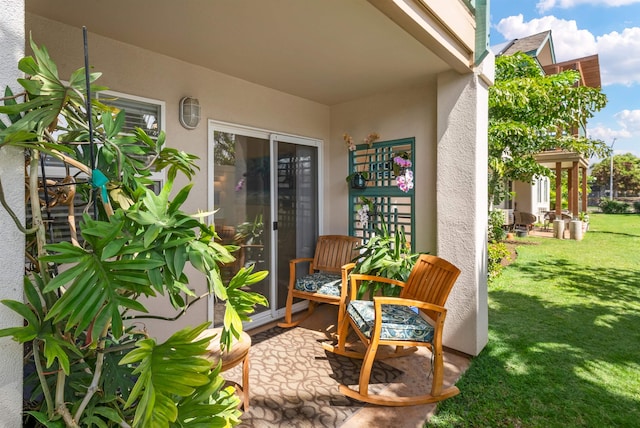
<point x="358" y="181"/>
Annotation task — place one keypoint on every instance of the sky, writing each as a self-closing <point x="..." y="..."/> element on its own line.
<point x="609" y="28"/>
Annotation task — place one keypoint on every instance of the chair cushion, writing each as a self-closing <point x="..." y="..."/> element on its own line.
<point x="322" y="283"/>
<point x="398" y="322"/>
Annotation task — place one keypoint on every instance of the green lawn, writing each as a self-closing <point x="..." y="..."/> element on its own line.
<point x="564" y="336"/>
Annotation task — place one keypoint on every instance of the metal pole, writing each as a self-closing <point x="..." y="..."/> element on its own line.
<point x="92" y="159"/>
<point x="611" y="172"/>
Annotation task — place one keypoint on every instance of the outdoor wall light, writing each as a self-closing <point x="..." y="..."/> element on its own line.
<point x="189" y="112"/>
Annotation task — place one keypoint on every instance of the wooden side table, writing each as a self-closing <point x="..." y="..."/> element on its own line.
<point x="239" y="353"/>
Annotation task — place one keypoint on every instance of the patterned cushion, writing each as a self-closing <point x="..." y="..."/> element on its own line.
<point x="322" y="283"/>
<point x="398" y="322"/>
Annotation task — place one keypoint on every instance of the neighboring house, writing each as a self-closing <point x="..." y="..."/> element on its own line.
<point x="283" y="81"/>
<point x="535" y="197"/>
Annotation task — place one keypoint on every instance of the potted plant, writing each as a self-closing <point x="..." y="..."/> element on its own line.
<point x="358" y="178"/>
<point x="385" y="255"/>
<point x="584" y="218"/>
<point x="91" y="366"/>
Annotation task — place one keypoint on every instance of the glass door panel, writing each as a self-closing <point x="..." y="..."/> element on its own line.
<point x="264" y="189"/>
<point x="297" y="214"/>
<point x="242" y="198"/>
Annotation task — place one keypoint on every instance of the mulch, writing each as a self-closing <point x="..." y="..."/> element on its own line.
<point x="512" y="246"/>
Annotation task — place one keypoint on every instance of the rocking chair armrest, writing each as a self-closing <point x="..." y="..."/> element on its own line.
<point x="383" y="300"/>
<point x="294" y="262"/>
<point x="356" y="278"/>
<point x="300" y="260"/>
<point x="344" y="288"/>
<point x="348" y="267"/>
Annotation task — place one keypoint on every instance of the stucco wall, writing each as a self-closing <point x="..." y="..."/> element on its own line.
<point x="462" y="205"/>
<point x="139" y="72"/>
<point x="525" y="199"/>
<point x="11" y="239"/>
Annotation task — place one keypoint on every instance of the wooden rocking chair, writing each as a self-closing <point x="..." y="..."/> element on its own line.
<point x="326" y="280"/>
<point x="397" y="321"/>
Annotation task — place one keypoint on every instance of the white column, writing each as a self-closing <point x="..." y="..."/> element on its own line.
<point x="12" y="41"/>
<point x="462" y="202"/>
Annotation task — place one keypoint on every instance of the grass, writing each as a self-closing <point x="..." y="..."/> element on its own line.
<point x="564" y="336"/>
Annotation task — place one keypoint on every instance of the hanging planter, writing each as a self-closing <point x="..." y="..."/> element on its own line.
<point x="358" y="180"/>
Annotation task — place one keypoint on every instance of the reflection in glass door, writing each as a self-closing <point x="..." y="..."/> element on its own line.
<point x="242" y="200"/>
<point x="297" y="207"/>
<point x="265" y="193"/>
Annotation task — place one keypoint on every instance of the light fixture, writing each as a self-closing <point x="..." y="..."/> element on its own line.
<point x="189" y="112"/>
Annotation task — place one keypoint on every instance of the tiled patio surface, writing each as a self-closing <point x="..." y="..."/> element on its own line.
<point x="413" y="377"/>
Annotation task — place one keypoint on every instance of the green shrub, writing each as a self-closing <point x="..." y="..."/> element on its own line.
<point x="609" y="206"/>
<point x="496" y="220"/>
<point x="496" y="251"/>
<point x="636" y="207"/>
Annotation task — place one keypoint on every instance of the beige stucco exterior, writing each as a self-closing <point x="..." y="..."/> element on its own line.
<point x="11" y="239"/>
<point x="445" y="111"/>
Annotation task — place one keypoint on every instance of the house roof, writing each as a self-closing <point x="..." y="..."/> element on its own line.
<point x="538" y="46"/>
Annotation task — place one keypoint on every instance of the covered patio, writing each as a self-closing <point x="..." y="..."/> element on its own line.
<point x="294" y="382"/>
<point x="310" y="71"/>
<point x="576" y="166"/>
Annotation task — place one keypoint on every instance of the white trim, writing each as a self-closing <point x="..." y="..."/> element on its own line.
<point x="156" y="176"/>
<point x="272" y="137"/>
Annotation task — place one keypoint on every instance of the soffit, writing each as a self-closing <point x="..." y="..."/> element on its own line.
<point x="551" y="158"/>
<point x="328" y="51"/>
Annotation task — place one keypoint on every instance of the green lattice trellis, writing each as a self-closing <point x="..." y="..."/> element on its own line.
<point x="391" y="205"/>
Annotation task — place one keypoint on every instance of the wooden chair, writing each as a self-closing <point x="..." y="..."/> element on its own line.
<point x="524" y="220"/>
<point x="415" y="318"/>
<point x="326" y="280"/>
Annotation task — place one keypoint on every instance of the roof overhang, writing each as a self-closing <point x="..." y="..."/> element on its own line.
<point x="550" y="159"/>
<point x="328" y="51"/>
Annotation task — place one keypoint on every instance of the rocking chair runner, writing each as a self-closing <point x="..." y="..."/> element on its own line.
<point x="395" y="321"/>
<point x="326" y="280"/>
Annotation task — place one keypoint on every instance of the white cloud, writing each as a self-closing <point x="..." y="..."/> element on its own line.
<point x="569" y="42"/>
<point x="620" y="57"/>
<point x="629" y="120"/>
<point x="627" y="136"/>
<point x="545" y="5"/>
<point x="606" y="134"/>
<point x="619" y="53"/>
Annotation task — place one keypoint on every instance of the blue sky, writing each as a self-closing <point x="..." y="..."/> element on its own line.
<point x="610" y="28"/>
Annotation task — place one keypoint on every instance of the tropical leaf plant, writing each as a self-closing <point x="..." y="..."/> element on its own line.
<point x="387" y="255"/>
<point x="92" y="367"/>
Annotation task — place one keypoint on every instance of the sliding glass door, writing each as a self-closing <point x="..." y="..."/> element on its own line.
<point x="297" y="207"/>
<point x="264" y="188"/>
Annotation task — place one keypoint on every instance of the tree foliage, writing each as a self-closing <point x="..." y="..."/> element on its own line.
<point x="626" y="174"/>
<point x="530" y="112"/>
<point x="93" y="369"/>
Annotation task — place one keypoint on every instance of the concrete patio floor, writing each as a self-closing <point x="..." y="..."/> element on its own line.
<point x="411" y="381"/>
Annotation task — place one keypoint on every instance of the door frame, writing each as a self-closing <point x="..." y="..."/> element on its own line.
<point x="273" y="137"/>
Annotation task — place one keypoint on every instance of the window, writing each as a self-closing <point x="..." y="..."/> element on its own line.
<point x="542" y="187"/>
<point x="140" y="112"/>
